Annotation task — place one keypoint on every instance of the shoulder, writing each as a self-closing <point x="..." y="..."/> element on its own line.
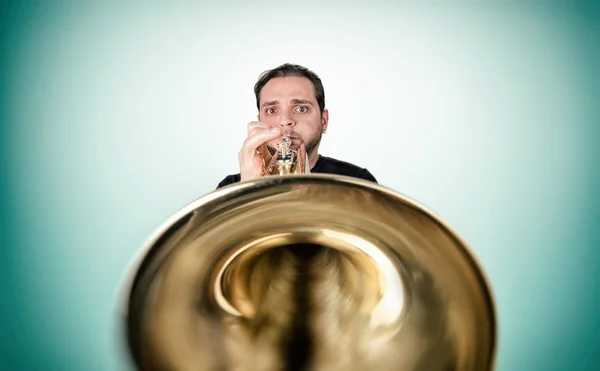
<point x="332" y="165"/>
<point x="229" y="179"/>
<point x="325" y="165"/>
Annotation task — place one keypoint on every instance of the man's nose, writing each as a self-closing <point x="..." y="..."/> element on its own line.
<point x="286" y="119"/>
<point x="286" y="122"/>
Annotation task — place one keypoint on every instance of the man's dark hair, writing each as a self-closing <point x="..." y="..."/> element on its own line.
<point x="286" y="70"/>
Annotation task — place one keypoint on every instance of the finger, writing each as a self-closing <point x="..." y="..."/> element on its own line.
<point x="260" y="128"/>
<point x="258" y="138"/>
<point x="302" y="150"/>
<point x="263" y="149"/>
<point x="250" y="149"/>
<point x="302" y="157"/>
<point x="257" y="124"/>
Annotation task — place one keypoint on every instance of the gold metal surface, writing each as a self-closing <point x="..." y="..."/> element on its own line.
<point x="308" y="272"/>
<point x="286" y="160"/>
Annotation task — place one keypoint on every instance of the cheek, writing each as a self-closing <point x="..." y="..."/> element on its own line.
<point x="313" y="126"/>
<point x="271" y="120"/>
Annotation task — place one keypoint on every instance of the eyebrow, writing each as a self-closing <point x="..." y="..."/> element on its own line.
<point x="295" y="101"/>
<point x="270" y="103"/>
<point x="301" y="101"/>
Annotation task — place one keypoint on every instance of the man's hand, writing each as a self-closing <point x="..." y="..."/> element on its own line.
<point x="251" y="164"/>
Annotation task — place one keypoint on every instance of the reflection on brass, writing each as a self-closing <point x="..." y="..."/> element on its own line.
<point x="286" y="160"/>
<point x="308" y="272"/>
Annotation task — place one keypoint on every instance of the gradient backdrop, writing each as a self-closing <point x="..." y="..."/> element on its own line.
<point x="115" y="116"/>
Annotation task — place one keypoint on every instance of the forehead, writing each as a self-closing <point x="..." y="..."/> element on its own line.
<point x="288" y="87"/>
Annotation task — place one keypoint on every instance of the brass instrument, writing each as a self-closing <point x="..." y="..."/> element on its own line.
<point x="308" y="272"/>
<point x="285" y="160"/>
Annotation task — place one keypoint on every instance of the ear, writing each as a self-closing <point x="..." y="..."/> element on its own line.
<point x="324" y="120"/>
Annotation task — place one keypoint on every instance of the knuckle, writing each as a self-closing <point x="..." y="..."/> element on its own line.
<point x="253" y="125"/>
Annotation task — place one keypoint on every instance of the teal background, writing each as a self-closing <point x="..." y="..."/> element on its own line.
<point x="114" y="116"/>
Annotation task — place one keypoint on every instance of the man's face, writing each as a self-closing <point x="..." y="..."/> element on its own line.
<point x="290" y="102"/>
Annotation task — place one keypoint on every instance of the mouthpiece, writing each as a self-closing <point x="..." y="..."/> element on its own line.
<point x="286" y="160"/>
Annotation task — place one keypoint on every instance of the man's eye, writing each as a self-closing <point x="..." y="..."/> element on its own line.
<point x="302" y="109"/>
<point x="270" y="111"/>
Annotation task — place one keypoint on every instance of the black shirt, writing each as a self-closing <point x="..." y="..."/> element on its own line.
<point x="324" y="165"/>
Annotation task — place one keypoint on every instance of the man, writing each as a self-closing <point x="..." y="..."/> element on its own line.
<point x="307" y="302"/>
<point x="291" y="100"/>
